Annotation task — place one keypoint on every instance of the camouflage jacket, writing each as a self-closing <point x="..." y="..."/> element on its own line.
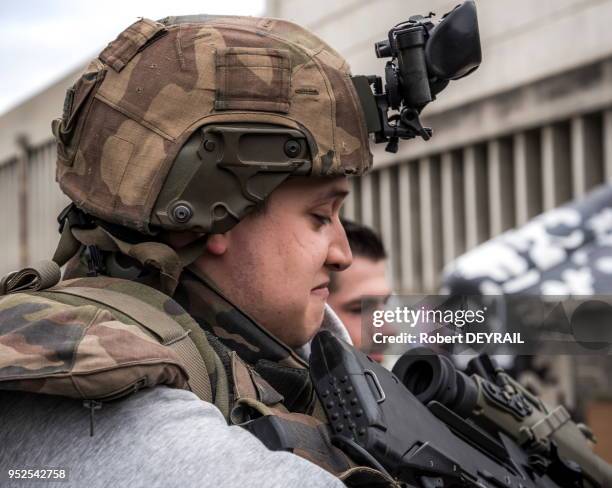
<point x="253" y="377"/>
<point x="279" y="375"/>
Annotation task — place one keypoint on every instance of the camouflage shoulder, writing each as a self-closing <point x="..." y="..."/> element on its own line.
<point x="78" y="351"/>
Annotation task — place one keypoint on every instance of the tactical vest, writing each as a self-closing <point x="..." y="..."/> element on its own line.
<point x="100" y="339"/>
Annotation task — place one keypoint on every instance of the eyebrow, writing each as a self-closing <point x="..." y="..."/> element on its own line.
<point x="331" y="194"/>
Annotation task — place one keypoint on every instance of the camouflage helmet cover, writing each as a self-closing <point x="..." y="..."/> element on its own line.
<point x="129" y="114"/>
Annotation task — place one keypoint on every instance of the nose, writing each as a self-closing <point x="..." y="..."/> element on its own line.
<point x="339" y="256"/>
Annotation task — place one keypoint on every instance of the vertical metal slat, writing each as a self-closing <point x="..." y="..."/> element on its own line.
<point x="607" y="144"/>
<point x="431" y="222"/>
<point x="408" y="191"/>
<point x="527" y="176"/>
<point x="556" y="165"/>
<point x="367" y="200"/>
<point x="476" y="196"/>
<point x="348" y="209"/>
<point x="501" y="185"/>
<point x="453" y="212"/>
<point x="587" y="168"/>
<point x="388" y="222"/>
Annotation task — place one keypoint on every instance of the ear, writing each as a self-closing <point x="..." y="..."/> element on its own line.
<point x="217" y="244"/>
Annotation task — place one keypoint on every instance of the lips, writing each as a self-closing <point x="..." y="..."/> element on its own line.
<point x="321" y="290"/>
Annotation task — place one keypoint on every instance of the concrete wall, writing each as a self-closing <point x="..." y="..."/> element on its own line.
<point x="33" y="117"/>
<point x="522" y="40"/>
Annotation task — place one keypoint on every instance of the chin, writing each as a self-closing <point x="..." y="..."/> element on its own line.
<point x="317" y="318"/>
<point x="310" y="330"/>
<point x="298" y="342"/>
<point x="309" y="325"/>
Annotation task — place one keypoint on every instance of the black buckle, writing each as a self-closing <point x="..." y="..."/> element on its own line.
<point x="95" y="262"/>
<point x="61" y="218"/>
<point x="76" y="218"/>
<point x="79" y="219"/>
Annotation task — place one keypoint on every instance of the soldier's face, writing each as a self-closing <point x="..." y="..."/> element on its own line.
<point x="364" y="278"/>
<point x="275" y="265"/>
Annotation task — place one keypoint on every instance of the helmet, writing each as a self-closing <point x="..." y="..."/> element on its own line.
<point x="189" y="122"/>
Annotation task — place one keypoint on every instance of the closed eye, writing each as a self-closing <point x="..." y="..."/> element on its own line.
<point x="322" y="219"/>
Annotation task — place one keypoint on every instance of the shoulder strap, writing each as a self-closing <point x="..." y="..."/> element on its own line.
<point x="170" y="333"/>
<point x="41" y="275"/>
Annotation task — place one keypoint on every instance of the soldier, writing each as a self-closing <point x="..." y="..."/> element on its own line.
<point x="366" y="277"/>
<point x="207" y="160"/>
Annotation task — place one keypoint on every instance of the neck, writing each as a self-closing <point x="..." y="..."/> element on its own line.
<point x="214" y="311"/>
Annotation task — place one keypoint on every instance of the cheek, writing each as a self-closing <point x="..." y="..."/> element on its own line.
<point x="284" y="268"/>
<point x="310" y="251"/>
<point x="297" y="266"/>
<point x="285" y="261"/>
<point x="353" y="324"/>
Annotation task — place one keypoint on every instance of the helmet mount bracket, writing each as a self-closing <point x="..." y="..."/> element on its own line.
<point x="246" y="162"/>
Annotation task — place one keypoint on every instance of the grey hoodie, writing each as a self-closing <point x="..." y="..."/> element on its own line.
<point x="159" y="437"/>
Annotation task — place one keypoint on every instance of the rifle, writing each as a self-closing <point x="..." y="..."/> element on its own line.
<point x="429" y="425"/>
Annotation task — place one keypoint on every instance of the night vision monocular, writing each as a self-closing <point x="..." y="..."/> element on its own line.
<point x="425" y="57"/>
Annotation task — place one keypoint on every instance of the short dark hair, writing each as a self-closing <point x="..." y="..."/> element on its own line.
<point x="364" y="241"/>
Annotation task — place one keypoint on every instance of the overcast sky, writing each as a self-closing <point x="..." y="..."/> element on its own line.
<point x="41" y="41"/>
